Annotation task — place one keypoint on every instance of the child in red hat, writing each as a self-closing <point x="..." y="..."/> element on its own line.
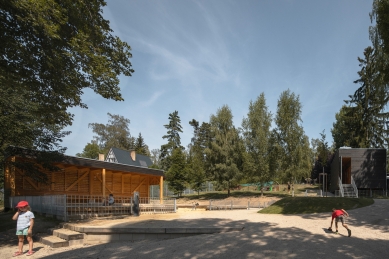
<point x="25" y="223"/>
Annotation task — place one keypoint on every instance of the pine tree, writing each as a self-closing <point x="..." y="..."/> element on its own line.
<point x="196" y="158"/>
<point x="367" y="105"/>
<point x="140" y="146"/>
<point x="174" y="129"/>
<point x="176" y="174"/>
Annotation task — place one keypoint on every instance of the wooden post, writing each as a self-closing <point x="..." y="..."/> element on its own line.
<point x="103" y="176"/>
<point x="122" y="183"/>
<point x="90" y="182"/>
<point x="161" y="190"/>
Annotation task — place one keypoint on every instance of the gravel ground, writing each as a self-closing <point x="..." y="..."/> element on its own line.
<point x="264" y="236"/>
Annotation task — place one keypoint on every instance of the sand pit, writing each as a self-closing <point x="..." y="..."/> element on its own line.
<point x="264" y="236"/>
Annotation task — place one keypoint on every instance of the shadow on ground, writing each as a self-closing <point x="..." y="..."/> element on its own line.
<point x="258" y="240"/>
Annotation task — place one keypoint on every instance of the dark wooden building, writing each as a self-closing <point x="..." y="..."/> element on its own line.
<point x="364" y="168"/>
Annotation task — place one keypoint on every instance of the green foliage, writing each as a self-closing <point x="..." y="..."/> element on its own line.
<point x="196" y="156"/>
<point x="379" y="35"/>
<point x="256" y="135"/>
<point x="224" y="156"/>
<point x="176" y="175"/>
<point x="196" y="174"/>
<point x="174" y="140"/>
<point x="293" y="151"/>
<point x="344" y="128"/>
<point x="155" y="158"/>
<point x="322" y="150"/>
<point x="362" y="124"/>
<point x="52" y="50"/>
<point x="114" y="134"/>
<point x="141" y="147"/>
<point x="369" y="102"/>
<point x="91" y="150"/>
<point x="308" y="205"/>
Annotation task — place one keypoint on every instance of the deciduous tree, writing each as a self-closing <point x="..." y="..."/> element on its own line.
<point x="256" y="136"/>
<point x="116" y="133"/>
<point x="224" y="154"/>
<point x="91" y="150"/>
<point x="51" y="51"/>
<point x="294" y="151"/>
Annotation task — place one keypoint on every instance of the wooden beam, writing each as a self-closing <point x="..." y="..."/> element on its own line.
<point x="101" y="181"/>
<point x="30" y="182"/>
<point x="103" y="176"/>
<point x="161" y="189"/>
<point x="140" y="184"/>
<point x="72" y="167"/>
<point x="90" y="183"/>
<point x="78" y="180"/>
<point x="27" y="179"/>
<point x="122" y="183"/>
<point x="52" y="181"/>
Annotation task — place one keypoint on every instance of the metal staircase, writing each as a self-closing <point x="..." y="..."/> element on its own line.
<point x="348" y="190"/>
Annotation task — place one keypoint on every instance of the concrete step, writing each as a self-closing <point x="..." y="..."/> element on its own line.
<point x="54" y="241"/>
<point x="68" y="234"/>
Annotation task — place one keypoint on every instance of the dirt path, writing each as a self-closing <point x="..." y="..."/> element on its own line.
<point x="264" y="236"/>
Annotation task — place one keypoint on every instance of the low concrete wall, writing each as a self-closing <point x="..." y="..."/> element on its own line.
<point x="93" y="235"/>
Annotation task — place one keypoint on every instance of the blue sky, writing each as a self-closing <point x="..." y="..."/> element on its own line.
<point x="196" y="56"/>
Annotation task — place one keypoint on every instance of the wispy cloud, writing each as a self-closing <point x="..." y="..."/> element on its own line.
<point x="152" y="99"/>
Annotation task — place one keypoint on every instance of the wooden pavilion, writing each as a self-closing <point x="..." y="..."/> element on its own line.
<point x="82" y="176"/>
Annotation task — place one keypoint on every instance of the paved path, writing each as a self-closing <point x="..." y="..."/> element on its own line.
<point x="264" y="236"/>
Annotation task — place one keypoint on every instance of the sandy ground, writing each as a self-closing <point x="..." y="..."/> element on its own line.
<point x="263" y="236"/>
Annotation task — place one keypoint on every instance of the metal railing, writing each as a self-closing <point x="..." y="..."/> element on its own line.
<point x="153" y="205"/>
<point x="354" y="186"/>
<point x="315" y="192"/>
<point x="66" y="207"/>
<point x="89" y="206"/>
<point x="54" y="205"/>
<point x="340" y="187"/>
<point x="238" y="204"/>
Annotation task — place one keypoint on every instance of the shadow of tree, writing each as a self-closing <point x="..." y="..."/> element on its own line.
<point x="258" y="240"/>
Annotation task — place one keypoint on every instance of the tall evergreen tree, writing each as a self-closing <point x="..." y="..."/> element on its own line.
<point x="379" y="35"/>
<point x="256" y="136"/>
<point x="368" y="104"/>
<point x="224" y="154"/>
<point x="176" y="174"/>
<point x="140" y="146"/>
<point x="196" y="158"/>
<point x="174" y="129"/>
<point x="294" y="145"/>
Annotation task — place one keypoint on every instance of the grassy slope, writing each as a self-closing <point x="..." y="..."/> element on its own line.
<point x="248" y="192"/>
<point x="303" y="205"/>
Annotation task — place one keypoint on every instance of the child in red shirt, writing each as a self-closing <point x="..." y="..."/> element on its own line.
<point x="338" y="215"/>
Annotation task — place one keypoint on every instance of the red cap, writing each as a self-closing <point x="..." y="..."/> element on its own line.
<point x="22" y="204"/>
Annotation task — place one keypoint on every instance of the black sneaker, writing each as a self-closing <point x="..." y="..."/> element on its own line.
<point x="349" y="232"/>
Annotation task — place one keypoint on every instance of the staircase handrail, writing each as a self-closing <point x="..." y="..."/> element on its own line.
<point x="354" y="186"/>
<point x="341" y="191"/>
